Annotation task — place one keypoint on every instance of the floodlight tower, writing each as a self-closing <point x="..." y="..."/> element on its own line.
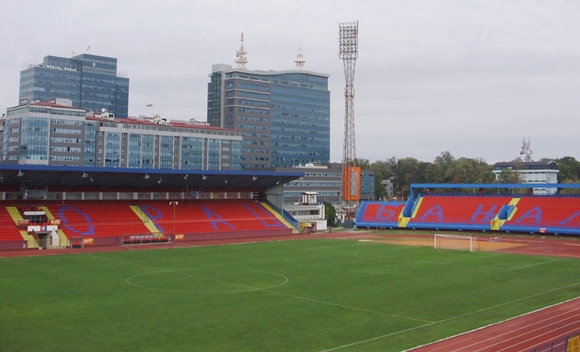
<point x="348" y="52"/>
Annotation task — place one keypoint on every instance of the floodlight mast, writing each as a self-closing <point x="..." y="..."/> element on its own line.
<point x="348" y="53"/>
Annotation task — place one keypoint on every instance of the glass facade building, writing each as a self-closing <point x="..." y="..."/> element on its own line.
<point x="55" y="133"/>
<point x="283" y="115"/>
<point x="89" y="81"/>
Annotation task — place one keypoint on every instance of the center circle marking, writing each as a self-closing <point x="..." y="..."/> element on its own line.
<point x="237" y="279"/>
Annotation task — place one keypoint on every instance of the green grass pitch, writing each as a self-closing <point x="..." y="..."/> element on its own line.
<point x="315" y="295"/>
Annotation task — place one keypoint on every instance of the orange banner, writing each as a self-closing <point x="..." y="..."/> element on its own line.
<point x="351" y="183"/>
<point x="88" y="241"/>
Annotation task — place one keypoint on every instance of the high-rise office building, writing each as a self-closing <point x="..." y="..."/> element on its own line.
<point x="284" y="115"/>
<point x="91" y="82"/>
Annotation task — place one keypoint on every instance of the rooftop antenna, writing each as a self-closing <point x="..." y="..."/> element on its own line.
<point x="526" y="152"/>
<point x="241" y="58"/>
<point x="299" y="58"/>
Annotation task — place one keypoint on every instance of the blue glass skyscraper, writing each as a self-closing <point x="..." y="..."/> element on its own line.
<point x="89" y="81"/>
<point x="284" y="115"/>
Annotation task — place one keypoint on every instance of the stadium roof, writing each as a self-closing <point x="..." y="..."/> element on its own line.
<point x="34" y="176"/>
<point x="494" y="185"/>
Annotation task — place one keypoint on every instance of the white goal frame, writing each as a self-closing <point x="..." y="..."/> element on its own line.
<point x="471" y="240"/>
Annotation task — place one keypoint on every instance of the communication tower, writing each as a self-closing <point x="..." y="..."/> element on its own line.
<point x="241" y="58"/>
<point x="348" y="52"/>
<point x="299" y="61"/>
<point x="526" y="152"/>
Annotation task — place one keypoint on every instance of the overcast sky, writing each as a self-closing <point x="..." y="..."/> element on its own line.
<point x="469" y="77"/>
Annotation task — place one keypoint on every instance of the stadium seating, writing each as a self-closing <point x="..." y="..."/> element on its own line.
<point x="545" y="212"/>
<point x="379" y="214"/>
<point x="536" y="214"/>
<point x="98" y="220"/>
<point x="151" y="220"/>
<point x="462" y="210"/>
<point x="211" y="217"/>
<point x="8" y="229"/>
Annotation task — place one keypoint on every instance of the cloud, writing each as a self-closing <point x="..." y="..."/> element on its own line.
<point x="471" y="78"/>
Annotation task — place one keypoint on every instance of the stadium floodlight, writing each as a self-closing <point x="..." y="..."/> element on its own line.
<point x="455" y="242"/>
<point x="174" y="203"/>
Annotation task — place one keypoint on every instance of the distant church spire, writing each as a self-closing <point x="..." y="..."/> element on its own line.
<point x="241" y="58"/>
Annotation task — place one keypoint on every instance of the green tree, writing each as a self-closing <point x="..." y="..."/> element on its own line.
<point x="441" y="170"/>
<point x="509" y="176"/>
<point x="364" y="164"/>
<point x="406" y="172"/>
<point x="382" y="171"/>
<point x="569" y="169"/>
<point x="466" y="170"/>
<point x="570" y="191"/>
<point x="330" y="214"/>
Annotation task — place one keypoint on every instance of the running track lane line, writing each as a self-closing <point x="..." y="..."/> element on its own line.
<point x="485" y="338"/>
<point x="511" y="330"/>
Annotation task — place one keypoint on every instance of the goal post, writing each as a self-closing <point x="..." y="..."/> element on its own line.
<point x="455" y="242"/>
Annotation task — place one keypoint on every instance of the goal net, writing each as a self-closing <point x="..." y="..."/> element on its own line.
<point x="462" y="243"/>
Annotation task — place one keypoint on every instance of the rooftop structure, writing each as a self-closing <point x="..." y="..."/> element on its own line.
<point x="532" y="172"/>
<point x="91" y="82"/>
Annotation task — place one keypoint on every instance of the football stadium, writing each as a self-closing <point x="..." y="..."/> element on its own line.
<point x="149" y="260"/>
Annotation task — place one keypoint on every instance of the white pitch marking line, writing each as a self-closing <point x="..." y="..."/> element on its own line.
<point x="293" y="296"/>
<point x="449" y="319"/>
<point x="248" y="288"/>
<point x="347" y="307"/>
<point x="535" y="264"/>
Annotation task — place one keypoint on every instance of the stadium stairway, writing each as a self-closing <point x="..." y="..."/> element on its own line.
<point x="16" y="217"/>
<point x="279" y="217"/>
<point x="498" y="222"/>
<point x="146" y="221"/>
<point x="61" y="236"/>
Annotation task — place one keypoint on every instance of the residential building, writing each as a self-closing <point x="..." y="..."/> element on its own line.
<point x="91" y="82"/>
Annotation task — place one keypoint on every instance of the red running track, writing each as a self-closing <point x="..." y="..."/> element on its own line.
<point x="523" y="333"/>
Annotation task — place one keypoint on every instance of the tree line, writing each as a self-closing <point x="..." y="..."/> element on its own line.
<point x="447" y="169"/>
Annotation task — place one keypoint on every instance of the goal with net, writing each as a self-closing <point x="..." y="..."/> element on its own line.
<point x="464" y="243"/>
